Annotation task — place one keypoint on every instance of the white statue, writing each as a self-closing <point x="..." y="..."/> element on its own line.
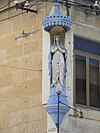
<point x="58" y="62"/>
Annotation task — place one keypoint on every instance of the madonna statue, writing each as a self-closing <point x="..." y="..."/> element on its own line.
<point x="57" y="62"/>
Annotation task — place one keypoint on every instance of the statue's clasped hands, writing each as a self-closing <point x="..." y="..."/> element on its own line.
<point x="58" y="47"/>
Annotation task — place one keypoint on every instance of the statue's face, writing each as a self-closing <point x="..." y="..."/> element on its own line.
<point x="57" y="39"/>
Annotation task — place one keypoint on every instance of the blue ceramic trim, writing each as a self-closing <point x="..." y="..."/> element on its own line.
<point x="52" y="106"/>
<point x="56" y="20"/>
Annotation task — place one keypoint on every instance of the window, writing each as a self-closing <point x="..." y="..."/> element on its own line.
<point x="87" y="73"/>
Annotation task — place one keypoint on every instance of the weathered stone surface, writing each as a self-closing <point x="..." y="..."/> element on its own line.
<point x="21" y="109"/>
<point x="34" y="127"/>
<point x="5" y="29"/>
<point x="6" y="80"/>
<point x="22" y="128"/>
<point x="14" y="52"/>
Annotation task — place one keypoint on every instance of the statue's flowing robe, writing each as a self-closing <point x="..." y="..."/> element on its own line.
<point x="58" y="63"/>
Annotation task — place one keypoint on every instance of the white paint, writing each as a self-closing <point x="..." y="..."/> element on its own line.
<point x="45" y="71"/>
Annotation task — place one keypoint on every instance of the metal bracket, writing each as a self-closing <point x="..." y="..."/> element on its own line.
<point x="25" y="34"/>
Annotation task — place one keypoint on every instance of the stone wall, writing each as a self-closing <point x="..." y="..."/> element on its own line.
<point x="21" y="109"/>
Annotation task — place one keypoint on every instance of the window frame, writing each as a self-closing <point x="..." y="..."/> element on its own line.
<point x="87" y="55"/>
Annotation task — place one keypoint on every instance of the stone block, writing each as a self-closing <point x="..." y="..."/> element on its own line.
<point x="8" y="92"/>
<point x="14" y="104"/>
<point x="2" y="16"/>
<point x="19" y="117"/>
<point x="3" y="71"/>
<point x="44" y="126"/>
<point x="11" y="66"/>
<point x="34" y="127"/>
<point x="5" y="80"/>
<point x="19" y="88"/>
<point x="34" y="99"/>
<point x="27" y="61"/>
<point x="22" y="75"/>
<point x="7" y="41"/>
<point x="23" y="22"/>
<point x="31" y="46"/>
<point x="15" y="51"/>
<point x="4" y="118"/>
<point x="28" y="115"/>
<point x="35" y="114"/>
<point x="22" y="128"/>
<point x="5" y="29"/>
<point x="7" y="130"/>
<point x="29" y="87"/>
<point x="40" y="16"/>
<point x="18" y="76"/>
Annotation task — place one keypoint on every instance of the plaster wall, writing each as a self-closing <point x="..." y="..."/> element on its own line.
<point x="86" y="27"/>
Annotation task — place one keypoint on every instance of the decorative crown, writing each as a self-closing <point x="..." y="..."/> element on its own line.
<point x="57" y="19"/>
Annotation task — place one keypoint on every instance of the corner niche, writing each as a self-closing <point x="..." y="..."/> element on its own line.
<point x="57" y="30"/>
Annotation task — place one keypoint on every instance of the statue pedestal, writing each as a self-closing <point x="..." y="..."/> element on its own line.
<point x="52" y="106"/>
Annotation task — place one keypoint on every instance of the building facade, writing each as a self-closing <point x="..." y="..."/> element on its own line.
<point x="24" y="74"/>
<point x="21" y="71"/>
